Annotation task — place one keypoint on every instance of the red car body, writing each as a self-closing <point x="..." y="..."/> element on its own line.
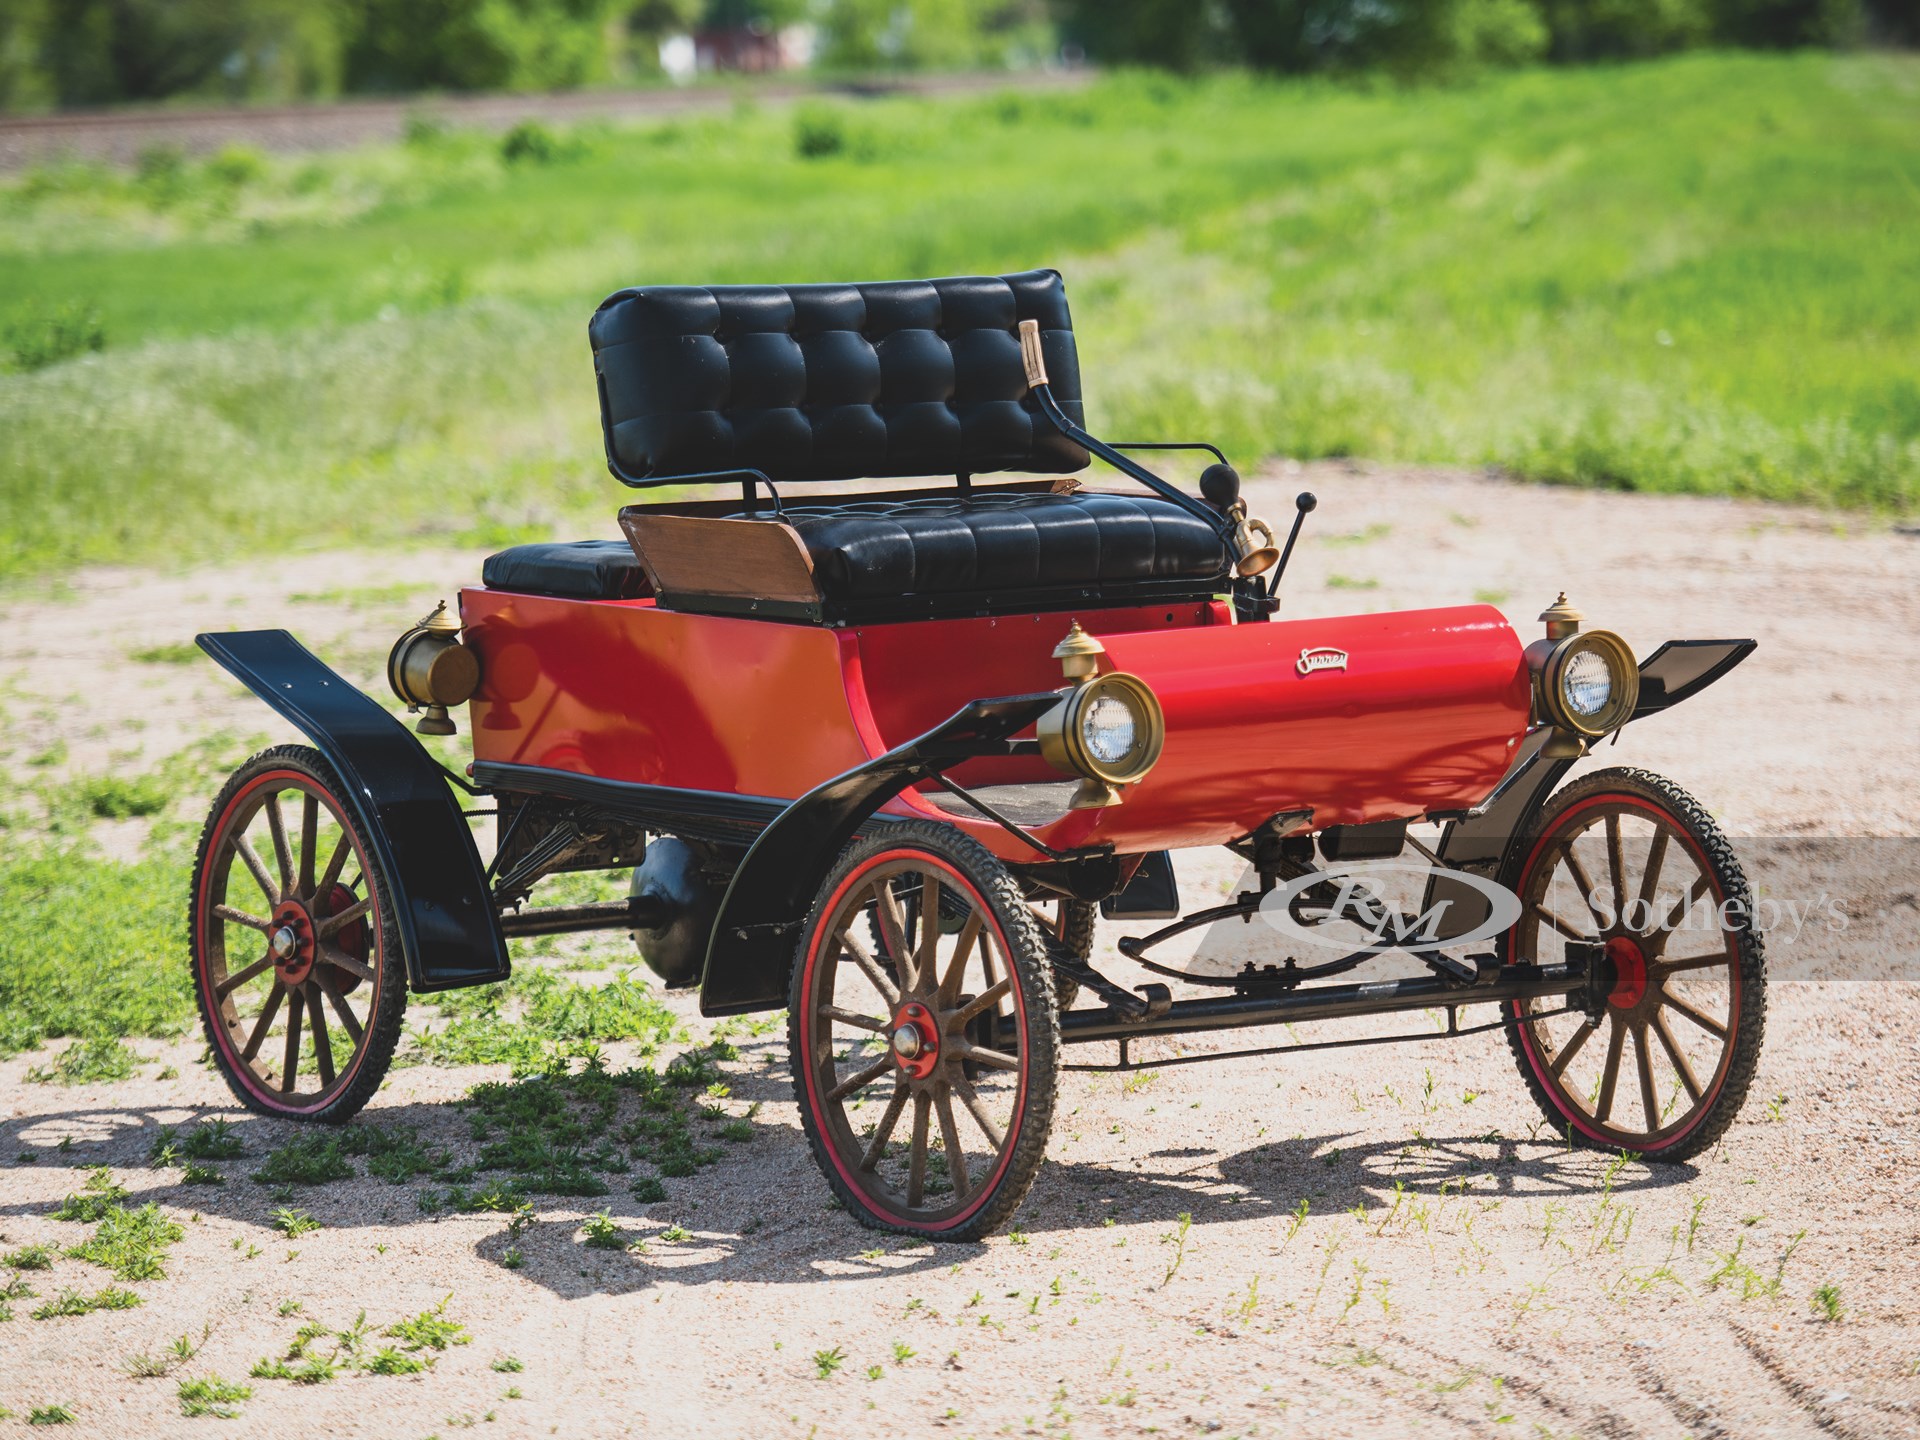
<point x="1408" y="713"/>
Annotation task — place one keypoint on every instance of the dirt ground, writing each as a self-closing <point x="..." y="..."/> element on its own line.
<point x="1382" y="1241"/>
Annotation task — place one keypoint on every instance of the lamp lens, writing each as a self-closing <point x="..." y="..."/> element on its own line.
<point x="1588" y="682"/>
<point x="1109" y="728"/>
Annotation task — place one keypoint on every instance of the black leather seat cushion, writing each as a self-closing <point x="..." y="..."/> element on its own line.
<point x="834" y="382"/>
<point x="578" y="569"/>
<point x="1006" y="545"/>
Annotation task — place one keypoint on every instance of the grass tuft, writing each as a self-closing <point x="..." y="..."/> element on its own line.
<point x="389" y="1361"/>
<point x="72" y="1302"/>
<point x="429" y="1330"/>
<point x="215" y="1139"/>
<point x="210" y="1396"/>
<point x="306" y="1160"/>
<point x="1825" y="1303"/>
<point x="294" y="1223"/>
<point x="131" y="1243"/>
<point x="29" y="1257"/>
<point x="98" y="1194"/>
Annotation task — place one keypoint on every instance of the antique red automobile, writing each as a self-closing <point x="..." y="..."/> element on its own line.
<point x="879" y="756"/>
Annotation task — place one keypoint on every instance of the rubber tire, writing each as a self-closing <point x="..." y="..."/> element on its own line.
<point x="1750" y="1029"/>
<point x="1082" y="915"/>
<point x="382" y="1033"/>
<point x="1035" y="976"/>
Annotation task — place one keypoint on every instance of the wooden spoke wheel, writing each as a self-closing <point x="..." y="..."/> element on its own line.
<point x="1628" y="861"/>
<point x="295" y="959"/>
<point x="925" y="1062"/>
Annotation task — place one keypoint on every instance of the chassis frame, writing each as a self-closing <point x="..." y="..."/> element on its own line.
<point x="456" y="914"/>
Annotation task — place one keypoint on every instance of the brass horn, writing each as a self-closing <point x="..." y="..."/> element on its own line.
<point x="1254" y="559"/>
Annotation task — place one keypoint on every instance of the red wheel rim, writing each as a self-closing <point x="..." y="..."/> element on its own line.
<point x="281" y="953"/>
<point x="901" y="1032"/>
<point x="1618" y="870"/>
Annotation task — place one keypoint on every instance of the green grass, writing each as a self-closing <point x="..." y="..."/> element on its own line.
<point x="214" y="1139"/>
<point x="313" y="1159"/>
<point x="179" y="653"/>
<point x="94" y="1061"/>
<point x="72" y="1302"/>
<point x="538" y="1017"/>
<point x="90" y="946"/>
<point x="131" y="1243"/>
<point x="429" y="1330"/>
<point x="1693" y="274"/>
<point x="98" y="1195"/>
<point x="95" y="948"/>
<point x="601" y="1233"/>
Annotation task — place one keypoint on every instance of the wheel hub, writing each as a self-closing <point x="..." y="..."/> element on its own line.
<point x="291" y="942"/>
<point x="1629" y="963"/>
<point x="916" y="1040"/>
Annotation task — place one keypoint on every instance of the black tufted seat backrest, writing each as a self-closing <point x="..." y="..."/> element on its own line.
<point x="833" y="382"/>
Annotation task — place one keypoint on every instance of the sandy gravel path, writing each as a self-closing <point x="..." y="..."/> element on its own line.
<point x="1457" y="1271"/>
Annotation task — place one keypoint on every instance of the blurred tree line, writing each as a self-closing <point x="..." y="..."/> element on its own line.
<point x="1439" y="37"/>
<point x="94" y="52"/>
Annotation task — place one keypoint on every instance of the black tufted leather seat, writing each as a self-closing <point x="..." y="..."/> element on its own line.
<point x="577" y="569"/>
<point x="899" y="378"/>
<point x="833" y="382"/>
<point x="993" y="546"/>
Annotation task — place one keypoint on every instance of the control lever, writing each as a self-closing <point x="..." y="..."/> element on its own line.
<point x="1303" y="503"/>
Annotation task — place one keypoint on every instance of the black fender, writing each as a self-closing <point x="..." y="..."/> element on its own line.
<point x="1485" y="841"/>
<point x="750" y="953"/>
<point x="401" y="801"/>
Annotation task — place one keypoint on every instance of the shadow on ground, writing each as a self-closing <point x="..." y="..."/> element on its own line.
<point x="761" y="1212"/>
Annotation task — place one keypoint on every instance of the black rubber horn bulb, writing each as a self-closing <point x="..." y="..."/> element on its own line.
<point x="1220" y="484"/>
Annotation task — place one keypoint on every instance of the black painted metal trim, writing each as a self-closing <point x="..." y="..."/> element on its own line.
<point x="889" y="609"/>
<point x="750" y="954"/>
<point x="400" y="799"/>
<point x="1487" y="840"/>
<point x="1681" y="669"/>
<point x="667" y="808"/>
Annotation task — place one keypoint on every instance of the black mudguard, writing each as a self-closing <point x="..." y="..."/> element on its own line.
<point x="750" y="954"/>
<point x="1484" y="842"/>
<point x="401" y="801"/>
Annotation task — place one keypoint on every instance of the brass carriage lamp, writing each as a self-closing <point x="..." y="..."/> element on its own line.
<point x="1079" y="655"/>
<point x="1107" y="729"/>
<point x="1586" y="684"/>
<point x="430" y="669"/>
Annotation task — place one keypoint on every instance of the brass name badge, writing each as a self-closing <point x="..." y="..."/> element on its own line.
<point x="1321" y="657"/>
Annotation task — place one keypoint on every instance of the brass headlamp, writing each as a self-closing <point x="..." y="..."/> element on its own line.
<point x="430" y="669"/>
<point x="1108" y="729"/>
<point x="1586" y="684"/>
